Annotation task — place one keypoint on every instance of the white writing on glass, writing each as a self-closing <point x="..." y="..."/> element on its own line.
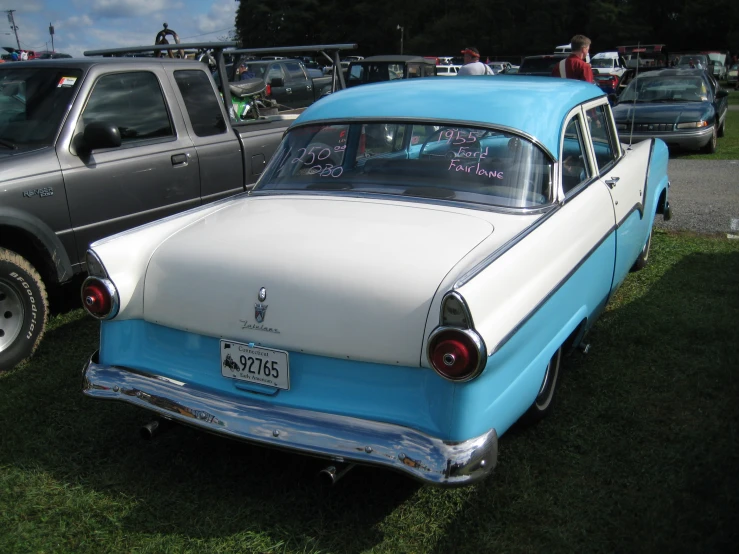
<point x="475" y="169"/>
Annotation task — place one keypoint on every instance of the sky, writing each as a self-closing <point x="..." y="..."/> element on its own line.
<point x="81" y="25"/>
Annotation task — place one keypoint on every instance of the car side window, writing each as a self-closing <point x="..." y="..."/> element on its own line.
<point x="201" y="103"/>
<point x="604" y="138"/>
<point x="574" y="156"/>
<point x="133" y="102"/>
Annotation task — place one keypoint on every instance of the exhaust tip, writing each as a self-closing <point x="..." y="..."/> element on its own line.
<point x="153" y="428"/>
<point x="330" y="475"/>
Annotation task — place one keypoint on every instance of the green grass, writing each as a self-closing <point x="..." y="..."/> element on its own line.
<point x="640" y="455"/>
<point x="728" y="145"/>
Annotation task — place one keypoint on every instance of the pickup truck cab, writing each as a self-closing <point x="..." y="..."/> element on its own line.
<point x="291" y="84"/>
<point x="94" y="146"/>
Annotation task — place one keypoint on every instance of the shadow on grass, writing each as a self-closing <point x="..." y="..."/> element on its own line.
<point x="642" y="450"/>
<point x="184" y="482"/>
<point x="640" y="454"/>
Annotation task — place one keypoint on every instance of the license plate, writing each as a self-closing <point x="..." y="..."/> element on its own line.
<point x="255" y="364"/>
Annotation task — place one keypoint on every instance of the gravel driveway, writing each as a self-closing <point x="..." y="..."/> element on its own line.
<point x="704" y="196"/>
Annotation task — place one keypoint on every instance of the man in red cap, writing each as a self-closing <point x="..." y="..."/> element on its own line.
<point x="575" y="66"/>
<point x="472" y="64"/>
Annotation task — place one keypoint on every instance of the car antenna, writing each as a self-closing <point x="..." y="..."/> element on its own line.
<point x="636" y="94"/>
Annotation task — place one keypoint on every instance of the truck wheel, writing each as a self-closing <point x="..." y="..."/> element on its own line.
<point x="24" y="309"/>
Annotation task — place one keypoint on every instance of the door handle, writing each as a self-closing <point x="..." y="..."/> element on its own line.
<point x="612" y="181"/>
<point x="288" y="90"/>
<point x="179" y="159"/>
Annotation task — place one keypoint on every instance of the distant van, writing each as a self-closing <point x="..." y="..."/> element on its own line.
<point x="610" y="63"/>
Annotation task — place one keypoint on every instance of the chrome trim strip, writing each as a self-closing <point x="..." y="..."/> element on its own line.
<point x="472" y="273"/>
<point x="479" y="344"/>
<point x="339" y="438"/>
<point x="427" y="121"/>
<point x="402" y="198"/>
<point x="551" y="293"/>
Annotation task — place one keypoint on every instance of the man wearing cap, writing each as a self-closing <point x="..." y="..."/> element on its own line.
<point x="575" y="66"/>
<point x="472" y="64"/>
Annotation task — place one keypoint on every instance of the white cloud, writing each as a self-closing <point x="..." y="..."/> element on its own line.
<point x="120" y="9"/>
<point x="221" y="15"/>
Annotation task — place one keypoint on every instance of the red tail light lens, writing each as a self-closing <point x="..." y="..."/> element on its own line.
<point x="100" y="298"/>
<point x="456" y="354"/>
<point x="268" y="91"/>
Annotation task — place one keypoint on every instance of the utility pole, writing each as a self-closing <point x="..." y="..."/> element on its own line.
<point x="401" y="38"/>
<point x="11" y="20"/>
<point x="51" y="32"/>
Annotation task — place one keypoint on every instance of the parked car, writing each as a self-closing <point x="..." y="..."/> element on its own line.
<point x="607" y="82"/>
<point x="375" y="69"/>
<point x="401" y="297"/>
<point x="717" y="69"/>
<point x="499" y="67"/>
<point x="731" y="75"/>
<point x="683" y="107"/>
<point x="93" y="146"/>
<point x="692" y="61"/>
<point x="540" y="65"/>
<point x="447" y="70"/>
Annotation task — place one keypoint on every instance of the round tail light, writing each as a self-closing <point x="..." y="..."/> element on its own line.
<point x="100" y="298"/>
<point x="456" y="354"/>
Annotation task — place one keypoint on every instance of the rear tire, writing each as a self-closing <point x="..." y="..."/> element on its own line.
<point x="24" y="309"/>
<point x="542" y="406"/>
<point x="643" y="259"/>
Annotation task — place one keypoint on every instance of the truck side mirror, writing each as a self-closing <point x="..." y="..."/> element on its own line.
<point x="98" y="134"/>
<point x="277" y="82"/>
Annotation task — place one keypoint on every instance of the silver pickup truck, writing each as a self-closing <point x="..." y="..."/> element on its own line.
<point x="93" y="146"/>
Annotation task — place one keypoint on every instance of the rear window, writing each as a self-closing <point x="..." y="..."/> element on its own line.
<point x="539" y="65"/>
<point x="459" y="163"/>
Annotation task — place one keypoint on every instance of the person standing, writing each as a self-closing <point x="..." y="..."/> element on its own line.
<point x="472" y="64"/>
<point x="575" y="66"/>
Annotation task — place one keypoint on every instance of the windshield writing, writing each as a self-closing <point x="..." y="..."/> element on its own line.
<point x="459" y="163"/>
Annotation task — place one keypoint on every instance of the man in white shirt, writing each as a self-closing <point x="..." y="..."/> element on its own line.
<point x="472" y="64"/>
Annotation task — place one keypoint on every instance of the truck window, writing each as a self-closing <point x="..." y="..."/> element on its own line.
<point x="201" y="103"/>
<point x="133" y="102"/>
<point x="275" y="71"/>
<point x="295" y="70"/>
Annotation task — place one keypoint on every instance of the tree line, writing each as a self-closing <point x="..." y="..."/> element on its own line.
<point x="497" y="28"/>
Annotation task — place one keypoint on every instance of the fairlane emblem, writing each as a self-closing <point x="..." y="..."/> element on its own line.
<point x="259" y="311"/>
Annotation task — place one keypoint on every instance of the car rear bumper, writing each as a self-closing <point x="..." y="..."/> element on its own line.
<point x="688" y="139"/>
<point x="339" y="438"/>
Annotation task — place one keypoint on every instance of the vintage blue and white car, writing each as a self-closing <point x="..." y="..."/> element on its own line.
<point x="399" y="287"/>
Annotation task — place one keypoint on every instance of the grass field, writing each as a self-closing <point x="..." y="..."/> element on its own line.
<point x="640" y="455"/>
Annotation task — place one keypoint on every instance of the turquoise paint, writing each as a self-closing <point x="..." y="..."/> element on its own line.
<point x="534" y="105"/>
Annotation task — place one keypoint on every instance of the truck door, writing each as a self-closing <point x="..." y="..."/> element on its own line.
<point x="152" y="174"/>
<point x="218" y="147"/>
<point x="625" y="177"/>
<point x="301" y="85"/>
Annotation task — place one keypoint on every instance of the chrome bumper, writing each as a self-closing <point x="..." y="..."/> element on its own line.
<point x="689" y="139"/>
<point x="339" y="438"/>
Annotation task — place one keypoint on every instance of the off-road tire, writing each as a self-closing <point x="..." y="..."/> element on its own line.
<point x="24" y="309"/>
